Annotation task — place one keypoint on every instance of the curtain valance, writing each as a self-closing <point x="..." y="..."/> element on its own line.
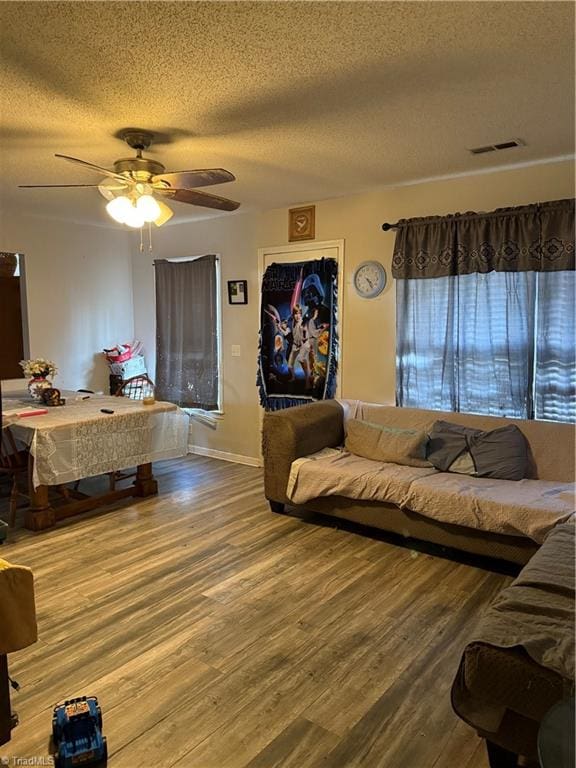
<point x="529" y="238"/>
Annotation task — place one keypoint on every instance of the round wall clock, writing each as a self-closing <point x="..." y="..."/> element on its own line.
<point x="369" y="279"/>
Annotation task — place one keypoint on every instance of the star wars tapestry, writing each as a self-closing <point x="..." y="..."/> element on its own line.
<point x="298" y="333"/>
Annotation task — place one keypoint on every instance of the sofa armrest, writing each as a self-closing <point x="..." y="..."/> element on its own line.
<point x="294" y="432"/>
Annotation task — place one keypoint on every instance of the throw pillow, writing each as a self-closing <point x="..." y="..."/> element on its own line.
<point x="389" y="444"/>
<point x="463" y="465"/>
<point x="448" y="442"/>
<point x="501" y="453"/>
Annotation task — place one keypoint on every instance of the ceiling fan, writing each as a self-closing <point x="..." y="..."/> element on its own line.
<point x="138" y="187"/>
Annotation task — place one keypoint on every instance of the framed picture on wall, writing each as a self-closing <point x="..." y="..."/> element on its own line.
<point x="237" y="292"/>
<point x="301" y="223"/>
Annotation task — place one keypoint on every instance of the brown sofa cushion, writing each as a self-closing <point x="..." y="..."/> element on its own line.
<point x="389" y="444"/>
<point x="500" y="453"/>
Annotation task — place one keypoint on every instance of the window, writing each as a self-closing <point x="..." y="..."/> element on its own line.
<point x="501" y="343"/>
<point x="187" y="332"/>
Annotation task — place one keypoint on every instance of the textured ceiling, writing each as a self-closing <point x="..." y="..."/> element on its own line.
<point x="300" y="100"/>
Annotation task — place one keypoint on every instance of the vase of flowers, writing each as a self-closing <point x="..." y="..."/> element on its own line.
<point x="38" y="369"/>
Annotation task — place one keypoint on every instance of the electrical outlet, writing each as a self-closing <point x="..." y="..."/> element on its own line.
<point x="235" y="350"/>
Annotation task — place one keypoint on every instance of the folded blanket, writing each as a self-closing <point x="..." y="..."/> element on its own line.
<point x="536" y="613"/>
<point x="537" y="610"/>
<point x="529" y="508"/>
<point x="513" y="507"/>
<point x="335" y="472"/>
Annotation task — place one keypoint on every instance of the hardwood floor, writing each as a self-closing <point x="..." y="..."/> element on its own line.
<point x="217" y="634"/>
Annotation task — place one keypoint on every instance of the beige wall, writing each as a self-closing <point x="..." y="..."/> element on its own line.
<point x="233" y="238"/>
<point x="79" y="293"/>
<point x="368" y="336"/>
<point x="89" y="287"/>
<point x="368" y="333"/>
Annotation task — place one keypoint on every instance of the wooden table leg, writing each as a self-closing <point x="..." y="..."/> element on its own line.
<point x="40" y="514"/>
<point x="145" y="483"/>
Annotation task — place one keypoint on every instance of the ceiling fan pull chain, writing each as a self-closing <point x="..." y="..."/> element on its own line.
<point x="141" y="241"/>
<point x="150" y="236"/>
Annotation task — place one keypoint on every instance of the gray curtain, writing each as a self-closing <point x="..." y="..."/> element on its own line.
<point x="186" y="332"/>
<point x="530" y="238"/>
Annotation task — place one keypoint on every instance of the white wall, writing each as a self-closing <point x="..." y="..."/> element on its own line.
<point x="79" y="293"/>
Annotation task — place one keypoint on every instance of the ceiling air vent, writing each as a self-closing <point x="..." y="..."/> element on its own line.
<point x="496" y="147"/>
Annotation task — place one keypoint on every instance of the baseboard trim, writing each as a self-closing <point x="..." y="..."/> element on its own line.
<point x="236" y="458"/>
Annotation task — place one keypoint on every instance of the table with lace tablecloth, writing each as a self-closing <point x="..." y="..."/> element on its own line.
<point x="81" y="439"/>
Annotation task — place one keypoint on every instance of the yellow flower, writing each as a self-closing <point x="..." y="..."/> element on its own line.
<point x="39" y="367"/>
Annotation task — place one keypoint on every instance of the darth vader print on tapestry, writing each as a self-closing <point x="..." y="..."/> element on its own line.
<point x="298" y="333"/>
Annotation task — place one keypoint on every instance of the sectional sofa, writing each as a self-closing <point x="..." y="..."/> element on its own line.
<point x="298" y="432"/>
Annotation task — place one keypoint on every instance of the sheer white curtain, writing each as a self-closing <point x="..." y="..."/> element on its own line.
<point x="501" y="343"/>
<point x="555" y="380"/>
<point x="425" y="343"/>
<point x="495" y="343"/>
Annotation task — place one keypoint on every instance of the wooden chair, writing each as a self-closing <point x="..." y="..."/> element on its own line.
<point x="13" y="464"/>
<point x="137" y="388"/>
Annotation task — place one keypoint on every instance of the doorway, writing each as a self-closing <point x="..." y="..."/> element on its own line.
<point x="13" y="316"/>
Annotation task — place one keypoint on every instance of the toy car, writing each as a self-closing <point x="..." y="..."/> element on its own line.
<point x="77" y="733"/>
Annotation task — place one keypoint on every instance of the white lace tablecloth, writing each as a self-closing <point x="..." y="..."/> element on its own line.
<point x="77" y="440"/>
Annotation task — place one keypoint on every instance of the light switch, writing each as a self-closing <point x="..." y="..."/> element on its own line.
<point x="235" y="350"/>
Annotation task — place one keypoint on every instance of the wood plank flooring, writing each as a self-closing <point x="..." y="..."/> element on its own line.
<point x="217" y="634"/>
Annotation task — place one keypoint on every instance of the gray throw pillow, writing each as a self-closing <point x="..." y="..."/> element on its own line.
<point x="447" y="443"/>
<point x="501" y="453"/>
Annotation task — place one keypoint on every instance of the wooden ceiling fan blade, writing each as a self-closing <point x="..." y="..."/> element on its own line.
<point x="53" y="186"/>
<point x="99" y="169"/>
<point x="204" y="199"/>
<point x="200" y="178"/>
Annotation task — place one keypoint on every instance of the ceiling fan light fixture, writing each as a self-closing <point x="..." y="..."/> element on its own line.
<point x="134" y="218"/>
<point x="119" y="209"/>
<point x="111" y="188"/>
<point x="165" y="214"/>
<point x="148" y="208"/>
<point x="135" y="184"/>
